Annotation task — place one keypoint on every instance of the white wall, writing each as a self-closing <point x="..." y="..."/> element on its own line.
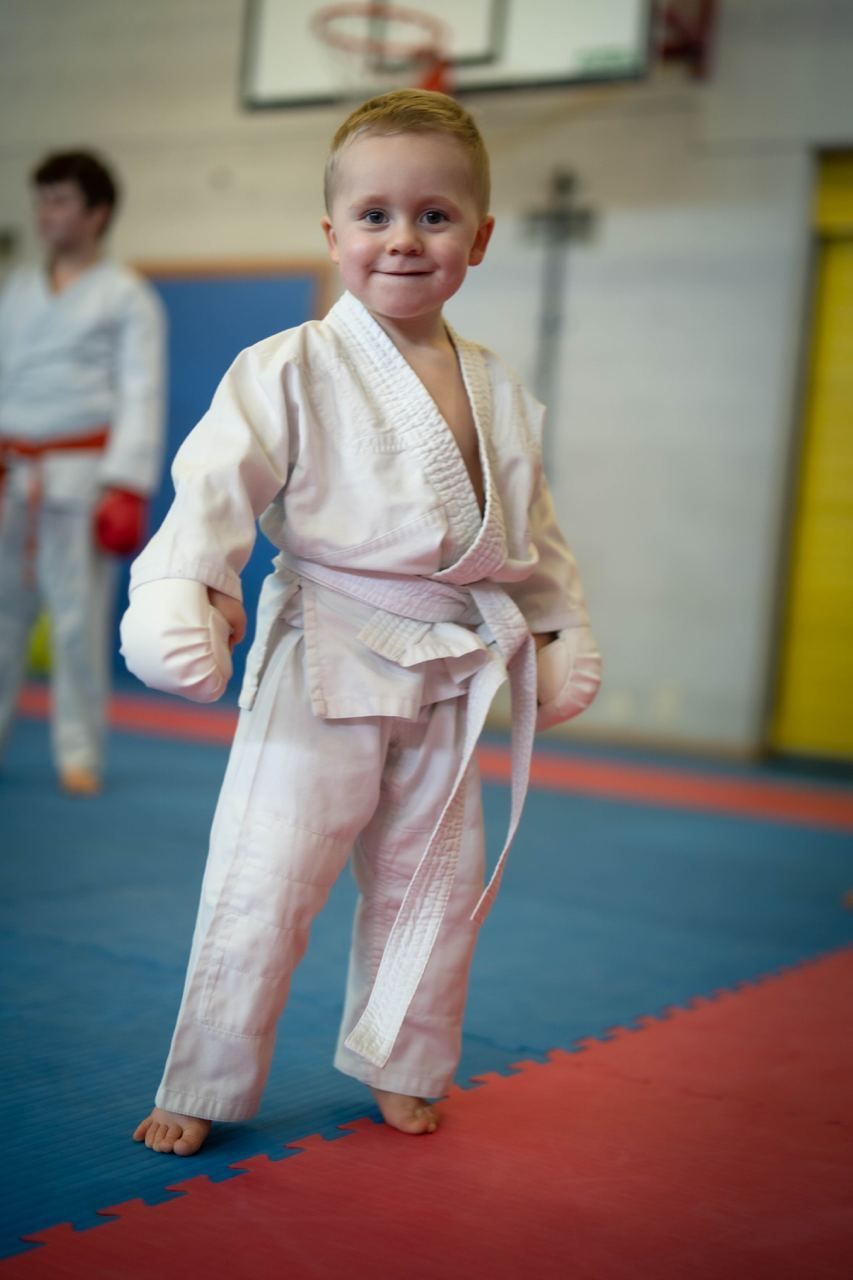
<point x="677" y="394"/>
<point x="676" y="400"/>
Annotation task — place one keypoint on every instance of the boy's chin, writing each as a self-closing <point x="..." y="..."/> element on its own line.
<point x="405" y="315"/>
<point x="388" y="303"/>
<point x="59" y="244"/>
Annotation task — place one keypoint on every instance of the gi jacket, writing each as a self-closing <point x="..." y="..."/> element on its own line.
<point x="88" y="356"/>
<point x="326" y="433"/>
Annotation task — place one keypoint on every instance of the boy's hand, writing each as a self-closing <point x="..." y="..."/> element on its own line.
<point x="177" y="636"/>
<point x="233" y="613"/>
<point x="568" y="676"/>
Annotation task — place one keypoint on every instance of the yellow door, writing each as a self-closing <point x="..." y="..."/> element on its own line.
<point x="814" y="706"/>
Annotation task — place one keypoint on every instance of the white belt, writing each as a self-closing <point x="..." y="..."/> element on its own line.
<point x="413" y="934"/>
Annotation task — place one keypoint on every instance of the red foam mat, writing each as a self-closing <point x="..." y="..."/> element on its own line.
<point x="713" y="1143"/>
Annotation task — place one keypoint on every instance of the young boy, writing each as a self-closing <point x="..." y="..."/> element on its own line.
<point x="81" y="355"/>
<point x="397" y="469"/>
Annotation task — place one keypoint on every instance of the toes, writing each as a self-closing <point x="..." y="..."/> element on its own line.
<point x="141" y="1130"/>
<point x="171" y="1136"/>
<point x="179" y="1135"/>
<point x="426" y="1120"/>
<point x="190" y="1140"/>
<point x="419" y="1120"/>
<point x="408" y="1114"/>
<point x="166" y="1135"/>
<point x="159" y="1138"/>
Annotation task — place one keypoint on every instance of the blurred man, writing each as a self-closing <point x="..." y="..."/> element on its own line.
<point x="81" y="360"/>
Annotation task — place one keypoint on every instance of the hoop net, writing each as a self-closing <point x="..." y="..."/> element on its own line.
<point x="377" y="47"/>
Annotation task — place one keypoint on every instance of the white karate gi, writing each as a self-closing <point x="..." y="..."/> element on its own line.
<point x="88" y="357"/>
<point x="394" y="612"/>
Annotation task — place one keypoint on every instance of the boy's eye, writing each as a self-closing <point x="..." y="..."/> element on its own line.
<point x="375" y="217"/>
<point x="433" y="217"/>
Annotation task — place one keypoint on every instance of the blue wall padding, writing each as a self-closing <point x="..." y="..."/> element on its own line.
<point x="211" y="319"/>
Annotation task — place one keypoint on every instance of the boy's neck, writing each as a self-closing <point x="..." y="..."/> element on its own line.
<point x="65" y="265"/>
<point x="420" y="332"/>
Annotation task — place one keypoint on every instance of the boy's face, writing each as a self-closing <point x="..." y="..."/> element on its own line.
<point x="405" y="225"/>
<point x="63" y="220"/>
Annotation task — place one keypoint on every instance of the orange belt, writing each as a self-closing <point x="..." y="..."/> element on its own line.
<point x="13" y="448"/>
<point x="35" y="451"/>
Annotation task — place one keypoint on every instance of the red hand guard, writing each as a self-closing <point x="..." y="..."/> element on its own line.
<point x="120" y="519"/>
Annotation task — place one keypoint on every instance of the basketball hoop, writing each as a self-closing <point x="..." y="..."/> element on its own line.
<point x="385" y="45"/>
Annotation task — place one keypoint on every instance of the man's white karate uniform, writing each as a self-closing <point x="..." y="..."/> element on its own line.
<point x="394" y="612"/>
<point x="73" y="364"/>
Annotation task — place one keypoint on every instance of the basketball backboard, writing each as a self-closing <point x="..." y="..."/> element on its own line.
<point x="489" y="44"/>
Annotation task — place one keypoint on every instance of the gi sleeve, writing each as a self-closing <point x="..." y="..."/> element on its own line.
<point x="552" y="601"/>
<point x="551" y="597"/>
<point x="227" y="471"/>
<point x="7" y="319"/>
<point x="133" y="457"/>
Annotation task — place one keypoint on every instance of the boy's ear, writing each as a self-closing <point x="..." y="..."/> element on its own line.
<point x="331" y="238"/>
<point x="481" y="241"/>
<point x="99" y="219"/>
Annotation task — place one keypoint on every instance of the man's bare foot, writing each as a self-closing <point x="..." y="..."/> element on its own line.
<point x="409" y="1115"/>
<point x="168" y="1131"/>
<point x="79" y="782"/>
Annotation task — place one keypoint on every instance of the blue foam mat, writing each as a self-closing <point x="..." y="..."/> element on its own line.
<point x="609" y="911"/>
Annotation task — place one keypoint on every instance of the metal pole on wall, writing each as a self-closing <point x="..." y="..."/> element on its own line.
<point x="554" y="225"/>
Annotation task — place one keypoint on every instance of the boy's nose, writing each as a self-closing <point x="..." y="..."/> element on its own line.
<point x="405" y="239"/>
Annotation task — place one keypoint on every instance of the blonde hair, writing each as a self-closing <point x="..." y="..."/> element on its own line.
<point x="413" y="111"/>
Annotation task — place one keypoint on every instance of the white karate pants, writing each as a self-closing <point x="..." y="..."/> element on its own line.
<point x="300" y="794"/>
<point x="67" y="574"/>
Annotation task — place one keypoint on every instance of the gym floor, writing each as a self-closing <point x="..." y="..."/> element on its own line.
<point x="658" y="1048"/>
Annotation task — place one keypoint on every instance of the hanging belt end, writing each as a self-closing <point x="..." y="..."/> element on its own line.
<point x="484" y="906"/>
<point x="368" y="1045"/>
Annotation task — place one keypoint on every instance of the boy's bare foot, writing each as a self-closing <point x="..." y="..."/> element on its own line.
<point x="409" y="1115"/>
<point x="168" y="1131"/>
<point x="79" y="782"/>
